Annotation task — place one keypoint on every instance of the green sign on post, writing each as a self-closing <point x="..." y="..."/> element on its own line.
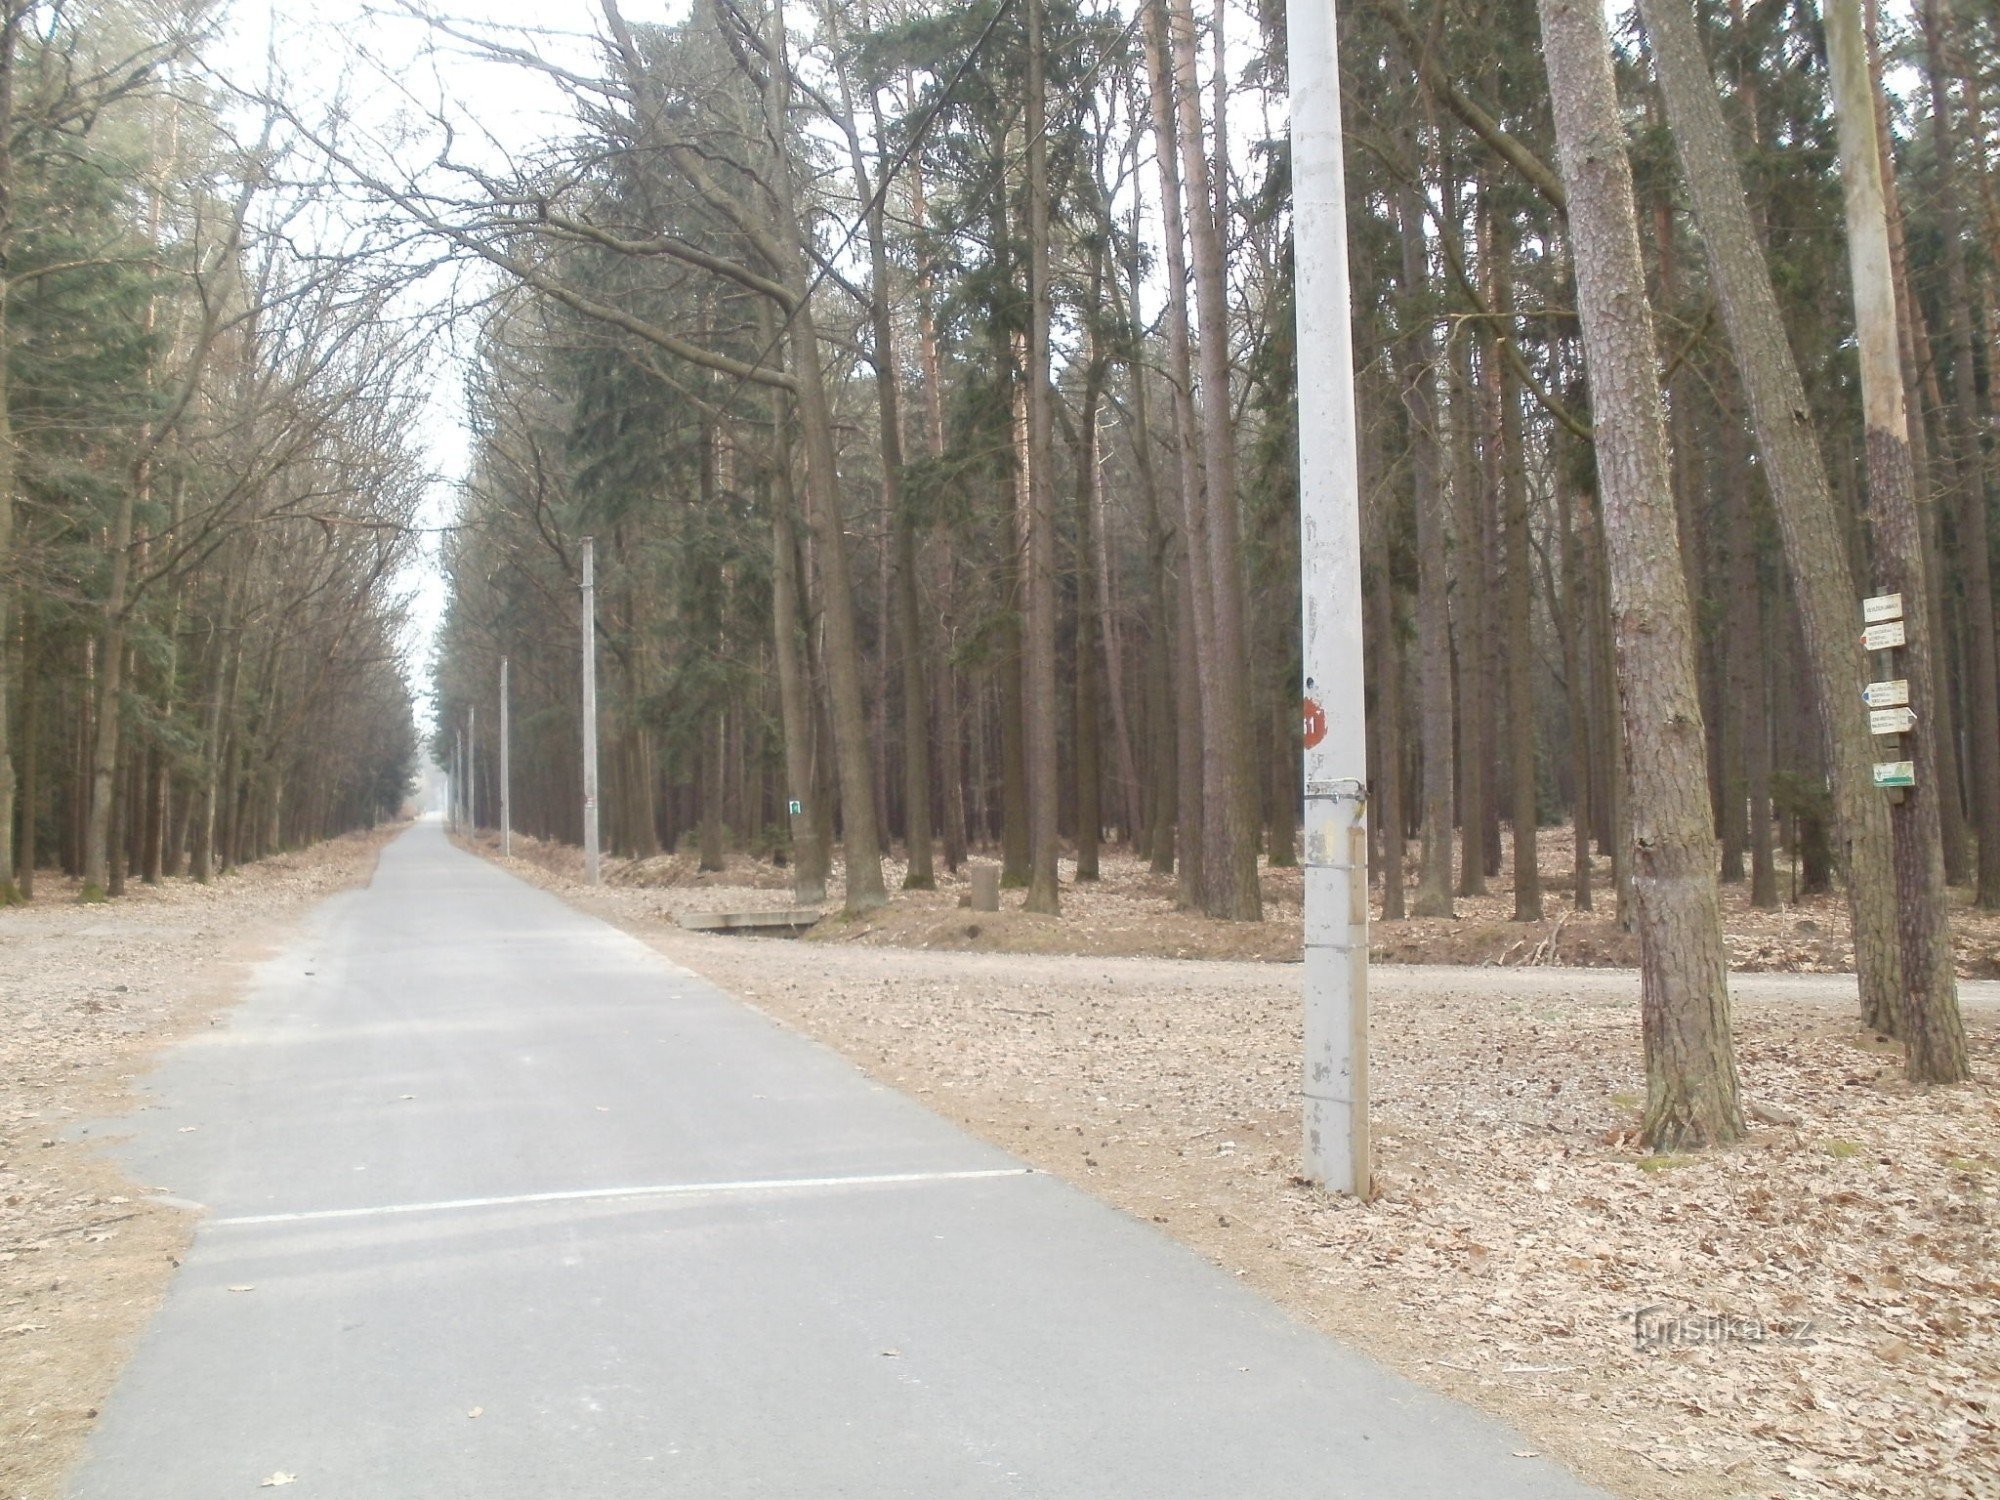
<point x="796" y="807"/>
<point x="1895" y="773"/>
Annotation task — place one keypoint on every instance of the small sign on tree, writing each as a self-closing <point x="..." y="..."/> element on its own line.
<point x="1895" y="773"/>
<point x="1891" y="721"/>
<point x="1881" y="607"/>
<point x="1891" y="694"/>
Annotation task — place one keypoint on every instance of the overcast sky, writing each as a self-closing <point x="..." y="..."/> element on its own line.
<point x="382" y="61"/>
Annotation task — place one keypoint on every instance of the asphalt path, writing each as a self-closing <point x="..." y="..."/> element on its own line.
<point x="498" y="1202"/>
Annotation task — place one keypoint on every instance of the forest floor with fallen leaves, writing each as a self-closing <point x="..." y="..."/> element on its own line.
<point x="1131" y="911"/>
<point x="87" y="994"/>
<point x="1812" y="1313"/>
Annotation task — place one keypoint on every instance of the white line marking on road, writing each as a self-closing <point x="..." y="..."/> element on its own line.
<point x="589" y="1195"/>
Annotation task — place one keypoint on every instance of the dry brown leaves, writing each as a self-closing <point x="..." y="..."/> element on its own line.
<point x="1130" y="911"/>
<point x="85" y="993"/>
<point x="1817" y="1307"/>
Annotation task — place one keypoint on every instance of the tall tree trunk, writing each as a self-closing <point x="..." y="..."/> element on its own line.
<point x="1691" y="1088"/>
<point x="1382" y="640"/>
<point x="216" y="710"/>
<point x="32" y="692"/>
<point x="1163" y="717"/>
<point x="1610" y="782"/>
<point x="1043" y="795"/>
<point x="12" y="19"/>
<point x="1913" y="345"/>
<point x="1385" y="655"/>
<point x="951" y="717"/>
<point x="1229" y="785"/>
<point x="1470" y="626"/>
<point x="1971" y="465"/>
<point x="1130" y="811"/>
<point x="859" y="839"/>
<point x="809" y="852"/>
<point x="1195" y="631"/>
<point x="1016" y="845"/>
<point x="712" y="835"/>
<point x="920" y="874"/>
<point x="1815" y="552"/>
<point x="1516" y="605"/>
<point x="1749" y="686"/>
<point x="1190" y="740"/>
<point x="1089" y="738"/>
<point x="104" y="757"/>
<point x="1933" y="1037"/>
<point x="1418" y="377"/>
<point x="1574" y="629"/>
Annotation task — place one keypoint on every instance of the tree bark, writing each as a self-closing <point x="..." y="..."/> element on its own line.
<point x="1913" y="345"/>
<point x="1016" y="844"/>
<point x="1691" y="1088"/>
<point x="1933" y="1036"/>
<point x="859" y="840"/>
<point x="1040" y="708"/>
<point x="1418" y="377"/>
<point x="12" y="20"/>
<point x="1471" y="630"/>
<point x="1970" y="464"/>
<point x="1815" y="552"/>
<point x="809" y="853"/>
<point x="1575" y="632"/>
<point x="1194" y="627"/>
<point x="1517" y="620"/>
<point x="1089" y="737"/>
<point x="1229" y="783"/>
<point x="920" y="874"/>
<point x="1749" y="687"/>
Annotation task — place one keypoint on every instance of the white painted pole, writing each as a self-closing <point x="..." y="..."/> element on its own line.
<point x="506" y="772"/>
<point x="590" y="710"/>
<point x="472" y="771"/>
<point x="1336" y="758"/>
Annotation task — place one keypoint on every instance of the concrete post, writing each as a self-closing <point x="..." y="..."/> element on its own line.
<point x="590" y="859"/>
<point x="985" y="886"/>
<point x="506" y="771"/>
<point x="1336" y="771"/>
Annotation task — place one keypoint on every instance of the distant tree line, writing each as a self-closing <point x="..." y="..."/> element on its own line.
<point x="925" y="374"/>
<point x="207" y="480"/>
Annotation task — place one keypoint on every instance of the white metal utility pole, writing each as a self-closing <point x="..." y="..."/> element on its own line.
<point x="1336" y="757"/>
<point x="506" y="773"/>
<point x="471" y="771"/>
<point x="590" y="710"/>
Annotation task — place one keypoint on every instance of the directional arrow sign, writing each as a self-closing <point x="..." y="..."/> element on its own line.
<point x="1895" y="773"/>
<point x="1891" y="721"/>
<point x="1881" y="607"/>
<point x="1884" y="636"/>
<point x="1891" y="694"/>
